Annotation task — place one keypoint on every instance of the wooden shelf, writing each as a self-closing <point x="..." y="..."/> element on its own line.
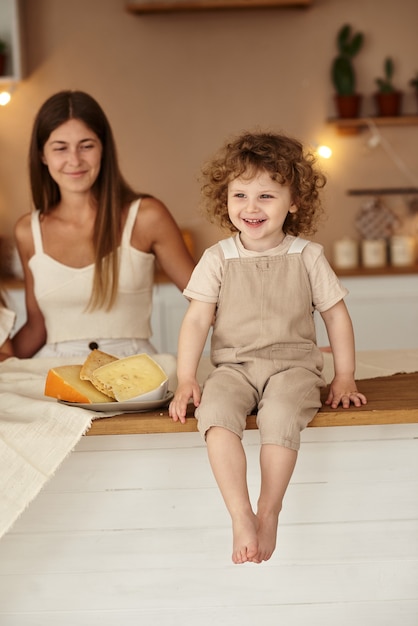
<point x="10" y="282"/>
<point x="171" y="6"/>
<point x="355" y="126"/>
<point x="388" y="270"/>
<point x="384" y="191"/>
<point x="161" y="278"/>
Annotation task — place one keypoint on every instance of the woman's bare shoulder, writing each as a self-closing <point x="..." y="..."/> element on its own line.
<point x="152" y="208"/>
<point x="23" y="236"/>
<point x="23" y="227"/>
<point x="153" y="223"/>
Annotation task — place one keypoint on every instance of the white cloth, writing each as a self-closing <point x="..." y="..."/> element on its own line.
<point x="36" y="432"/>
<point x="7" y="320"/>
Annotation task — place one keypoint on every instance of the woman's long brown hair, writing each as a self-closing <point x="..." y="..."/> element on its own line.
<point x="111" y="192"/>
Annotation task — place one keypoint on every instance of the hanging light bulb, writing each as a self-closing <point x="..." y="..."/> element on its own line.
<point x="324" y="151"/>
<point x="4" y="98"/>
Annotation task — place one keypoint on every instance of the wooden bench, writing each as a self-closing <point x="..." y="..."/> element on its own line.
<point x="391" y="400"/>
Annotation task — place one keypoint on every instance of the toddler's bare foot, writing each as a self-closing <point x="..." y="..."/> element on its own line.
<point x="245" y="544"/>
<point x="267" y="534"/>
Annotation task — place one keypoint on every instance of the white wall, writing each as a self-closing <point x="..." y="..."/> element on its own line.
<point x="175" y="86"/>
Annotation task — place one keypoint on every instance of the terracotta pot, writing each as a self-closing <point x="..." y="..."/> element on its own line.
<point x="388" y="104"/>
<point x="348" y="106"/>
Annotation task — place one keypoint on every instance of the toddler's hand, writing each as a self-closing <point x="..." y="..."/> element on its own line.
<point x="344" y="391"/>
<point x="178" y="406"/>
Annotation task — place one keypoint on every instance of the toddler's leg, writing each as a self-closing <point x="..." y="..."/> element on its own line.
<point x="277" y="464"/>
<point x="229" y="466"/>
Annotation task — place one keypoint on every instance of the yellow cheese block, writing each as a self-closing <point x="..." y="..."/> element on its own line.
<point x="129" y="377"/>
<point x="64" y="383"/>
<point x="95" y="359"/>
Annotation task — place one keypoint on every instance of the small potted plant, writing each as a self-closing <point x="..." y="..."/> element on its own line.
<point x="414" y="84"/>
<point x="347" y="100"/>
<point x="388" y="99"/>
<point x="3" y="51"/>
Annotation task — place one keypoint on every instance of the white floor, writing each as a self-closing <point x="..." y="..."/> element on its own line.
<point x="132" y="531"/>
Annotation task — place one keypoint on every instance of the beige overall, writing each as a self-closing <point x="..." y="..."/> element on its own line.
<point x="263" y="345"/>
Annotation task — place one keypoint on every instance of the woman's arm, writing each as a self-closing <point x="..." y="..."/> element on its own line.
<point x="32" y="336"/>
<point x="340" y="333"/>
<point x="6" y="350"/>
<point x="193" y="333"/>
<point x="156" y="231"/>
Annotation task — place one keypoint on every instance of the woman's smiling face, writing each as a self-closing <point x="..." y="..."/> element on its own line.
<point x="73" y="154"/>
<point x="258" y="207"/>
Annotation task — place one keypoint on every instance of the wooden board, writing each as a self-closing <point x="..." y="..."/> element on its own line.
<point x="174" y="6"/>
<point x="391" y="400"/>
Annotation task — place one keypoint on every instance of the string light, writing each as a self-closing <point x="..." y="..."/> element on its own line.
<point x="376" y="139"/>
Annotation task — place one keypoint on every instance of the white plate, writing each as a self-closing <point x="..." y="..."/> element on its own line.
<point x="122" y="407"/>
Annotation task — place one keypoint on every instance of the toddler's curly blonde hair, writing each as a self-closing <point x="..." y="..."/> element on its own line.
<point x="280" y="156"/>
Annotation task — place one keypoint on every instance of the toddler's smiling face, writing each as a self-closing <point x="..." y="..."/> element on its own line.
<point x="258" y="207"/>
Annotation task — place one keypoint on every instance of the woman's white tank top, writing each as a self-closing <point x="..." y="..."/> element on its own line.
<point x="63" y="292"/>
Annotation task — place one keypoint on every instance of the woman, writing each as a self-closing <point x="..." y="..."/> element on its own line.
<point x="88" y="249"/>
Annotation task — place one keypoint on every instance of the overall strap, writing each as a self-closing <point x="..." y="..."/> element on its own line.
<point x="229" y="248"/>
<point x="297" y="246"/>
<point x="36" y="232"/>
<point x="130" y="221"/>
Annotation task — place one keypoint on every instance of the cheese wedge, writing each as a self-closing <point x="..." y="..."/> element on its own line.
<point x="64" y="383"/>
<point x="129" y="377"/>
<point x="95" y="359"/>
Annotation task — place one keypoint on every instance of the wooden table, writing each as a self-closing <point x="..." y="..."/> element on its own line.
<point x="391" y="400"/>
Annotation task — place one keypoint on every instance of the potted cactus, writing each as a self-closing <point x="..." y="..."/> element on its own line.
<point x="388" y="99"/>
<point x="347" y="100"/>
<point x="414" y="84"/>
